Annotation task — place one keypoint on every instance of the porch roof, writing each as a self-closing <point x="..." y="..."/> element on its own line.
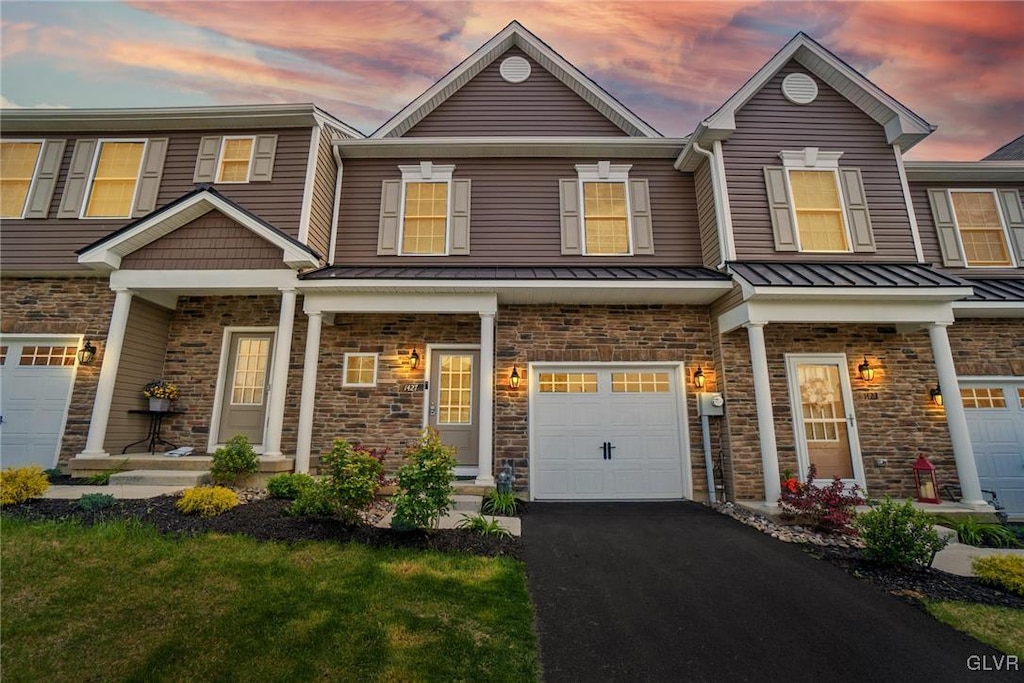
<point x="603" y="273"/>
<point x="901" y="275"/>
<point x="997" y="289"/>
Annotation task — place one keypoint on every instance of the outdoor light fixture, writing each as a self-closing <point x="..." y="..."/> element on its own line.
<point x="698" y="378"/>
<point x="936" y="395"/>
<point x="513" y="379"/>
<point x="867" y="373"/>
<point x="414" y="359"/>
<point x="924" y="481"/>
<point x="87" y="353"/>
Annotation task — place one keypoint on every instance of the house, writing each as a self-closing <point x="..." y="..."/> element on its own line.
<point x="519" y="261"/>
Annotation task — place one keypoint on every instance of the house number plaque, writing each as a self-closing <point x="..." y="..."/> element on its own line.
<point x="420" y="386"/>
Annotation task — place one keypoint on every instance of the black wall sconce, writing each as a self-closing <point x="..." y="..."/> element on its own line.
<point x="698" y="378"/>
<point x="867" y="373"/>
<point x="513" y="379"/>
<point x="87" y="354"/>
<point x="414" y="359"/>
<point x="936" y="395"/>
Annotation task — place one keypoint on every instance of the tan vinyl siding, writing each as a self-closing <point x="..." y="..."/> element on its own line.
<point x="35" y="245"/>
<point x="323" y="196"/>
<point x="515" y="213"/>
<point x="709" y="242"/>
<point x="768" y="124"/>
<point x="142" y="360"/>
<point x="490" y="106"/>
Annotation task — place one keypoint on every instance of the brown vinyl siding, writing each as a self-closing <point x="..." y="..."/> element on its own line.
<point x="709" y="243"/>
<point x="726" y="303"/>
<point x="49" y="245"/>
<point x="210" y="242"/>
<point x="768" y="124"/>
<point x="142" y="361"/>
<point x="515" y="214"/>
<point x="488" y="105"/>
<point x="323" y="196"/>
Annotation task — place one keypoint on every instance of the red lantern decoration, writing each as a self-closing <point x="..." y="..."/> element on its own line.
<point x="924" y="481"/>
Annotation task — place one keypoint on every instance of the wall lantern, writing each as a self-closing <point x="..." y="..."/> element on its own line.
<point x="414" y="359"/>
<point x="87" y="354"/>
<point x="936" y="395"/>
<point x="867" y="373"/>
<point x="698" y="378"/>
<point x="924" y="481"/>
<point x="513" y="379"/>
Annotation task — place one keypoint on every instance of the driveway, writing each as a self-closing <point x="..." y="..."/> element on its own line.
<point x="676" y="592"/>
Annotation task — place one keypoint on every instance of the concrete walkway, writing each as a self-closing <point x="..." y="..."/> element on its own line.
<point x="115" y="490"/>
<point x="676" y="592"/>
<point x="956" y="558"/>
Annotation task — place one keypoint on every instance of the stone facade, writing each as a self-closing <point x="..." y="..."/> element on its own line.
<point x="988" y="347"/>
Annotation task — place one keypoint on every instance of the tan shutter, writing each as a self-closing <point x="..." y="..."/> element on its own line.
<point x="78" y="178"/>
<point x="152" y="171"/>
<point x="1014" y="215"/>
<point x="569" y="208"/>
<point x="857" y="209"/>
<point x="778" y="207"/>
<point x="206" y="162"/>
<point x="263" y="158"/>
<point x="640" y="208"/>
<point x="945" y="226"/>
<point x="390" y="202"/>
<point x="38" y="205"/>
<point x="460" y="217"/>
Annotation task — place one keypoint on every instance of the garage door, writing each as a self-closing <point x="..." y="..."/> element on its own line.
<point x="995" y="417"/>
<point x="36" y="377"/>
<point x="606" y="433"/>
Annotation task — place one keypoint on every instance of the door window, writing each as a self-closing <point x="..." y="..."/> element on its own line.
<point x="455" y="399"/>
<point x="567" y="383"/>
<point x="250" y="371"/>
<point x="823" y="427"/>
<point x="640" y="382"/>
<point x="983" y="397"/>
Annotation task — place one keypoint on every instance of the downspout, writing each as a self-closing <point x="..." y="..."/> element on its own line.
<point x="337" y="204"/>
<point x="721" y="217"/>
<point x="709" y="467"/>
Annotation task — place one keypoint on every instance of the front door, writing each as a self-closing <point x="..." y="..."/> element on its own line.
<point x="453" y="408"/>
<point x="823" y="417"/>
<point x="244" y="404"/>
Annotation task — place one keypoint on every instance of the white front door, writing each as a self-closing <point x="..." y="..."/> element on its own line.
<point x="995" y="418"/>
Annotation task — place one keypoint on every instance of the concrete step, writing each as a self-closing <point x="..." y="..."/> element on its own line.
<point x="470" y="488"/>
<point x="160" y="478"/>
<point x="464" y="503"/>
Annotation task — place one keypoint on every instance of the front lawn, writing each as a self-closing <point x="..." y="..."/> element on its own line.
<point x="1000" y="627"/>
<point x="120" y="601"/>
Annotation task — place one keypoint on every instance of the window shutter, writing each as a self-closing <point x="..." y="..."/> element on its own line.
<point x="78" y="178"/>
<point x="38" y="205"/>
<point x="206" y="162"/>
<point x="945" y="226"/>
<point x="152" y="171"/>
<point x="569" y="207"/>
<point x="857" y="209"/>
<point x="778" y="207"/>
<point x="640" y="208"/>
<point x="263" y="158"/>
<point x="390" y="201"/>
<point x="460" y="217"/>
<point x="1010" y="201"/>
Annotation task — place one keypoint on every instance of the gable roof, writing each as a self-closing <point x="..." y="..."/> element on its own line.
<point x="1011" y="151"/>
<point x="515" y="35"/>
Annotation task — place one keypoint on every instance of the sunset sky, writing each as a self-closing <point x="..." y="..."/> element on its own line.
<point x="957" y="64"/>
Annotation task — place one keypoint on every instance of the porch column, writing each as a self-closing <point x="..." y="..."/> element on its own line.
<point x="765" y="414"/>
<point x="963" y="452"/>
<point x="308" y="397"/>
<point x="108" y="376"/>
<point x="279" y="377"/>
<point x="485" y="475"/>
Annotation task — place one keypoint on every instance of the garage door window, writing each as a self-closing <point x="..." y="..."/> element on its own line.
<point x="983" y="397"/>
<point x="3" y="355"/>
<point x="48" y="355"/>
<point x="640" y="382"/>
<point x="567" y="383"/>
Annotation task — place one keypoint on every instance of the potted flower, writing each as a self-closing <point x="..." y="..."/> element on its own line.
<point x="160" y="394"/>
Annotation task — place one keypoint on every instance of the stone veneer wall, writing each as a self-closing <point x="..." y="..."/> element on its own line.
<point x="988" y="346"/>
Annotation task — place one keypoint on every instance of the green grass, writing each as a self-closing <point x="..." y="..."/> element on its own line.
<point x="121" y="602"/>
<point x="1000" y="627"/>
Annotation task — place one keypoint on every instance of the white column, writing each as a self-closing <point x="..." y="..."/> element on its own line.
<point x="485" y="475"/>
<point x="765" y="414"/>
<point x="279" y="377"/>
<point x="309" y="367"/>
<point x="963" y="452"/>
<point x="108" y="376"/>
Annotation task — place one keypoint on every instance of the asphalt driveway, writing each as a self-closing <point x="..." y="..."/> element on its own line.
<point x="676" y="592"/>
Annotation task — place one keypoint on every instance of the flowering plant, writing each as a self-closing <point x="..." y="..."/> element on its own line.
<point x="826" y="508"/>
<point x="160" y="388"/>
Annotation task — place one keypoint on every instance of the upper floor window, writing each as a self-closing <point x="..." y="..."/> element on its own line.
<point x="426" y="213"/>
<point x="604" y="212"/>
<point x="819" y="211"/>
<point x="978" y="228"/>
<point x="425" y="218"/>
<point x="605" y="218"/>
<point x="114" y="179"/>
<point x="235" y="160"/>
<point x="981" y="228"/>
<point x="18" y="162"/>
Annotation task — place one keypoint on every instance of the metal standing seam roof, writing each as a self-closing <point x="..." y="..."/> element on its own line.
<point x="996" y="289"/>
<point x="844" y="275"/>
<point x="595" y="273"/>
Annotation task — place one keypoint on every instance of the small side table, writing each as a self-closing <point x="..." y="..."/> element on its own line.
<point x="156" y="420"/>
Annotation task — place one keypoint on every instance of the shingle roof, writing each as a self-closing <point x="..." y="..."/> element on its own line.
<point x="996" y="289"/>
<point x="621" y="273"/>
<point x="1011" y="151"/>
<point x="843" y="275"/>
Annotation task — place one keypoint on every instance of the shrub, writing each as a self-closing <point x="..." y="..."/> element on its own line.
<point x="498" y="503"/>
<point x="1005" y="572"/>
<point x="351" y="478"/>
<point x="313" y="501"/>
<point x="233" y="461"/>
<point x="91" y="502"/>
<point x="103" y="478"/>
<point x="484" y="526"/>
<point x="982" y="534"/>
<point x="424" y="484"/>
<point x="208" y="501"/>
<point x="289" y="485"/>
<point x="19" y="484"/>
<point x="898" y="534"/>
<point x="825" y="508"/>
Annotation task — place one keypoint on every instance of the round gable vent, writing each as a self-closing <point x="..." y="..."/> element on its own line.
<point x="799" y="88"/>
<point x="515" y="69"/>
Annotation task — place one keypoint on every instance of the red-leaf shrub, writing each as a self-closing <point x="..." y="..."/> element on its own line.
<point x="825" y="508"/>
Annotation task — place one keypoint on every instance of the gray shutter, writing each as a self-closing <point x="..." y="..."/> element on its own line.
<point x="460" y="217"/>
<point x="149" y="182"/>
<point x="640" y="208"/>
<point x="569" y="208"/>
<point x="263" y="158"/>
<point x="38" y="204"/>
<point x="778" y="207"/>
<point x="78" y="178"/>
<point x="206" y="162"/>
<point x="857" y="209"/>
<point x="390" y="202"/>
<point x="945" y="226"/>
<point x="1014" y="215"/>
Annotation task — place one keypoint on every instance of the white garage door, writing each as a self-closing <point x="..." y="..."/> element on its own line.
<point x="606" y="433"/>
<point x="995" y="417"/>
<point x="36" y="377"/>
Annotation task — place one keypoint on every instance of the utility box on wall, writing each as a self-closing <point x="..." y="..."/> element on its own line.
<point x="710" y="403"/>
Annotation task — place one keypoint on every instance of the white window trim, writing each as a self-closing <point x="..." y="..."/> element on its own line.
<point x="604" y="172"/>
<point x="426" y="172"/>
<point x="220" y="160"/>
<point x="35" y="172"/>
<point x="1002" y="222"/>
<point x="344" y="370"/>
<point x="813" y="159"/>
<point x="92" y="177"/>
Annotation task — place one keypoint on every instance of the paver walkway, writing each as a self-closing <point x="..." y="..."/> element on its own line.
<point x="676" y="592"/>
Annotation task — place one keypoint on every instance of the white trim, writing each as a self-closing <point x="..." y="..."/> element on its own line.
<point x="915" y="231"/>
<point x="728" y="234"/>
<point x="339" y="302"/>
<point x="829" y="311"/>
<point x="495" y="147"/>
<point x="824" y="168"/>
<point x="91" y="178"/>
<point x="1007" y="241"/>
<point x="994" y="379"/>
<point x="212" y="443"/>
<point x="35" y="171"/>
<point x="336" y="207"/>
<point x="220" y="160"/>
<point x="307" y="190"/>
<point x="988" y="309"/>
<point x="426" y="172"/>
<point x="859" y="293"/>
<point x="960" y="171"/>
<point x="810" y="159"/>
<point x="344" y="369"/>
<point x="206" y="281"/>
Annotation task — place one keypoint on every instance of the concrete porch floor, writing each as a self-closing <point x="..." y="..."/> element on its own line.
<point x="771" y="511"/>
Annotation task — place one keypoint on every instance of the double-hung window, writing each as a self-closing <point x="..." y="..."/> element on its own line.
<point x="981" y="228"/>
<point x="426" y="213"/>
<point x="604" y="212"/>
<point x="114" y="179"/>
<point x="18" y="162"/>
<point x="235" y="159"/>
<point x="819" y="211"/>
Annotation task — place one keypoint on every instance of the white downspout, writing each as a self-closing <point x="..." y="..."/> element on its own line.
<point x="722" y="217"/>
<point x="337" y="205"/>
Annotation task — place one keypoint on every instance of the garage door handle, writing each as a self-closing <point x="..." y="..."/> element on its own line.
<point x="604" y="451"/>
<point x="610" y="447"/>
